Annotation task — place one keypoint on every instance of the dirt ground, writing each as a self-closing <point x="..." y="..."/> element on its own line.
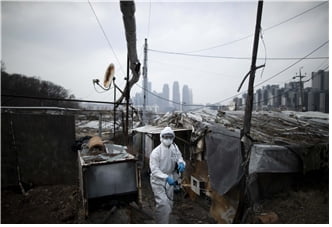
<point x="308" y="207"/>
<point x="62" y="204"/>
<point x="308" y="203"/>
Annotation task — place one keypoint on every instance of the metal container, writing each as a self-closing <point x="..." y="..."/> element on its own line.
<point x="107" y="174"/>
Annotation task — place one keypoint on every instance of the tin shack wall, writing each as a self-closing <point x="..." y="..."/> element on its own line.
<point x="40" y="144"/>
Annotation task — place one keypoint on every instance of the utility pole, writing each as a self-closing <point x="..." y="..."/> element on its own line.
<point x="145" y="80"/>
<point x="301" y="89"/>
<point x="239" y="217"/>
<point x="249" y="100"/>
<point x="127" y="104"/>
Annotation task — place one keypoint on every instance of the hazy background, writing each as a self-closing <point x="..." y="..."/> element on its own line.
<point x="63" y="43"/>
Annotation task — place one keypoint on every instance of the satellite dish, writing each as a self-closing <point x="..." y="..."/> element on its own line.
<point x="109" y="75"/>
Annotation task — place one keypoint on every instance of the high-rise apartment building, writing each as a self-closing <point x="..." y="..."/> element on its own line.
<point x="176" y="95"/>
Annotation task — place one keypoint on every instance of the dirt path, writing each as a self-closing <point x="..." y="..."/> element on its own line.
<point x="62" y="204"/>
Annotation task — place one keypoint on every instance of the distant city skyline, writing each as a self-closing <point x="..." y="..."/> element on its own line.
<point x="164" y="100"/>
<point x="293" y="96"/>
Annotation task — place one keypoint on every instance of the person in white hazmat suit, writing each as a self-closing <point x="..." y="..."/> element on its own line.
<point x="165" y="161"/>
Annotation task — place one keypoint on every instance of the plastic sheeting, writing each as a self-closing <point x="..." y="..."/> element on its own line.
<point x="313" y="157"/>
<point x="224" y="158"/>
<point x="273" y="159"/>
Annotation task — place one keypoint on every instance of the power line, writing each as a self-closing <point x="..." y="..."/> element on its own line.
<point x="158" y="95"/>
<point x="245" y="37"/>
<point x="315" y="75"/>
<point x="178" y="103"/>
<point x="190" y="68"/>
<point x="301" y="59"/>
<point x="323" y="63"/>
<point x="288" y="67"/>
<point x="58" y="99"/>
<point x="214" y="105"/>
<point x="234" y="58"/>
<point x="105" y="36"/>
<point x="267" y="99"/>
<point x="220" y="45"/>
<point x="300" y="14"/>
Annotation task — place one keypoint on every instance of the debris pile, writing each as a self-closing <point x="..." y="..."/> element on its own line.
<point x="284" y="127"/>
<point x="98" y="151"/>
<point x="294" y="142"/>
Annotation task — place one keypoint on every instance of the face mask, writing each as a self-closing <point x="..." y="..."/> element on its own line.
<point x="167" y="142"/>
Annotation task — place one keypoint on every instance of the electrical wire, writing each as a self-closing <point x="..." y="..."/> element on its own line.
<point x="265" y="51"/>
<point x="300" y="14"/>
<point x="315" y="75"/>
<point x="275" y="75"/>
<point x="180" y="192"/>
<point x="291" y="65"/>
<point x="248" y="36"/>
<point x="267" y="99"/>
<point x="234" y="58"/>
<point x="59" y="99"/>
<point x="101" y="92"/>
<point x="236" y="95"/>
<point x="214" y="105"/>
<point x="189" y="68"/>
<point x="323" y="63"/>
<point x="158" y="95"/>
<point x="220" y="45"/>
<point x="105" y="36"/>
<point x="171" y="101"/>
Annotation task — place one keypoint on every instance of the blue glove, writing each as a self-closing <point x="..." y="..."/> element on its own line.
<point x="181" y="167"/>
<point x="170" y="181"/>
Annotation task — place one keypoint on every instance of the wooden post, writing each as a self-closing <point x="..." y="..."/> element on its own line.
<point x="249" y="101"/>
<point x="127" y="104"/>
<point x="145" y="81"/>
<point x="239" y="217"/>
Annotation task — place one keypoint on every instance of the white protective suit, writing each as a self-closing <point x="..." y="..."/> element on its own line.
<point x="163" y="161"/>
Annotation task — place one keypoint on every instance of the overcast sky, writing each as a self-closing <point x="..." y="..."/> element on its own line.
<point x="63" y="43"/>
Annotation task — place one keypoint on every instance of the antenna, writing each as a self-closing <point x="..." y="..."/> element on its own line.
<point x="108" y="78"/>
